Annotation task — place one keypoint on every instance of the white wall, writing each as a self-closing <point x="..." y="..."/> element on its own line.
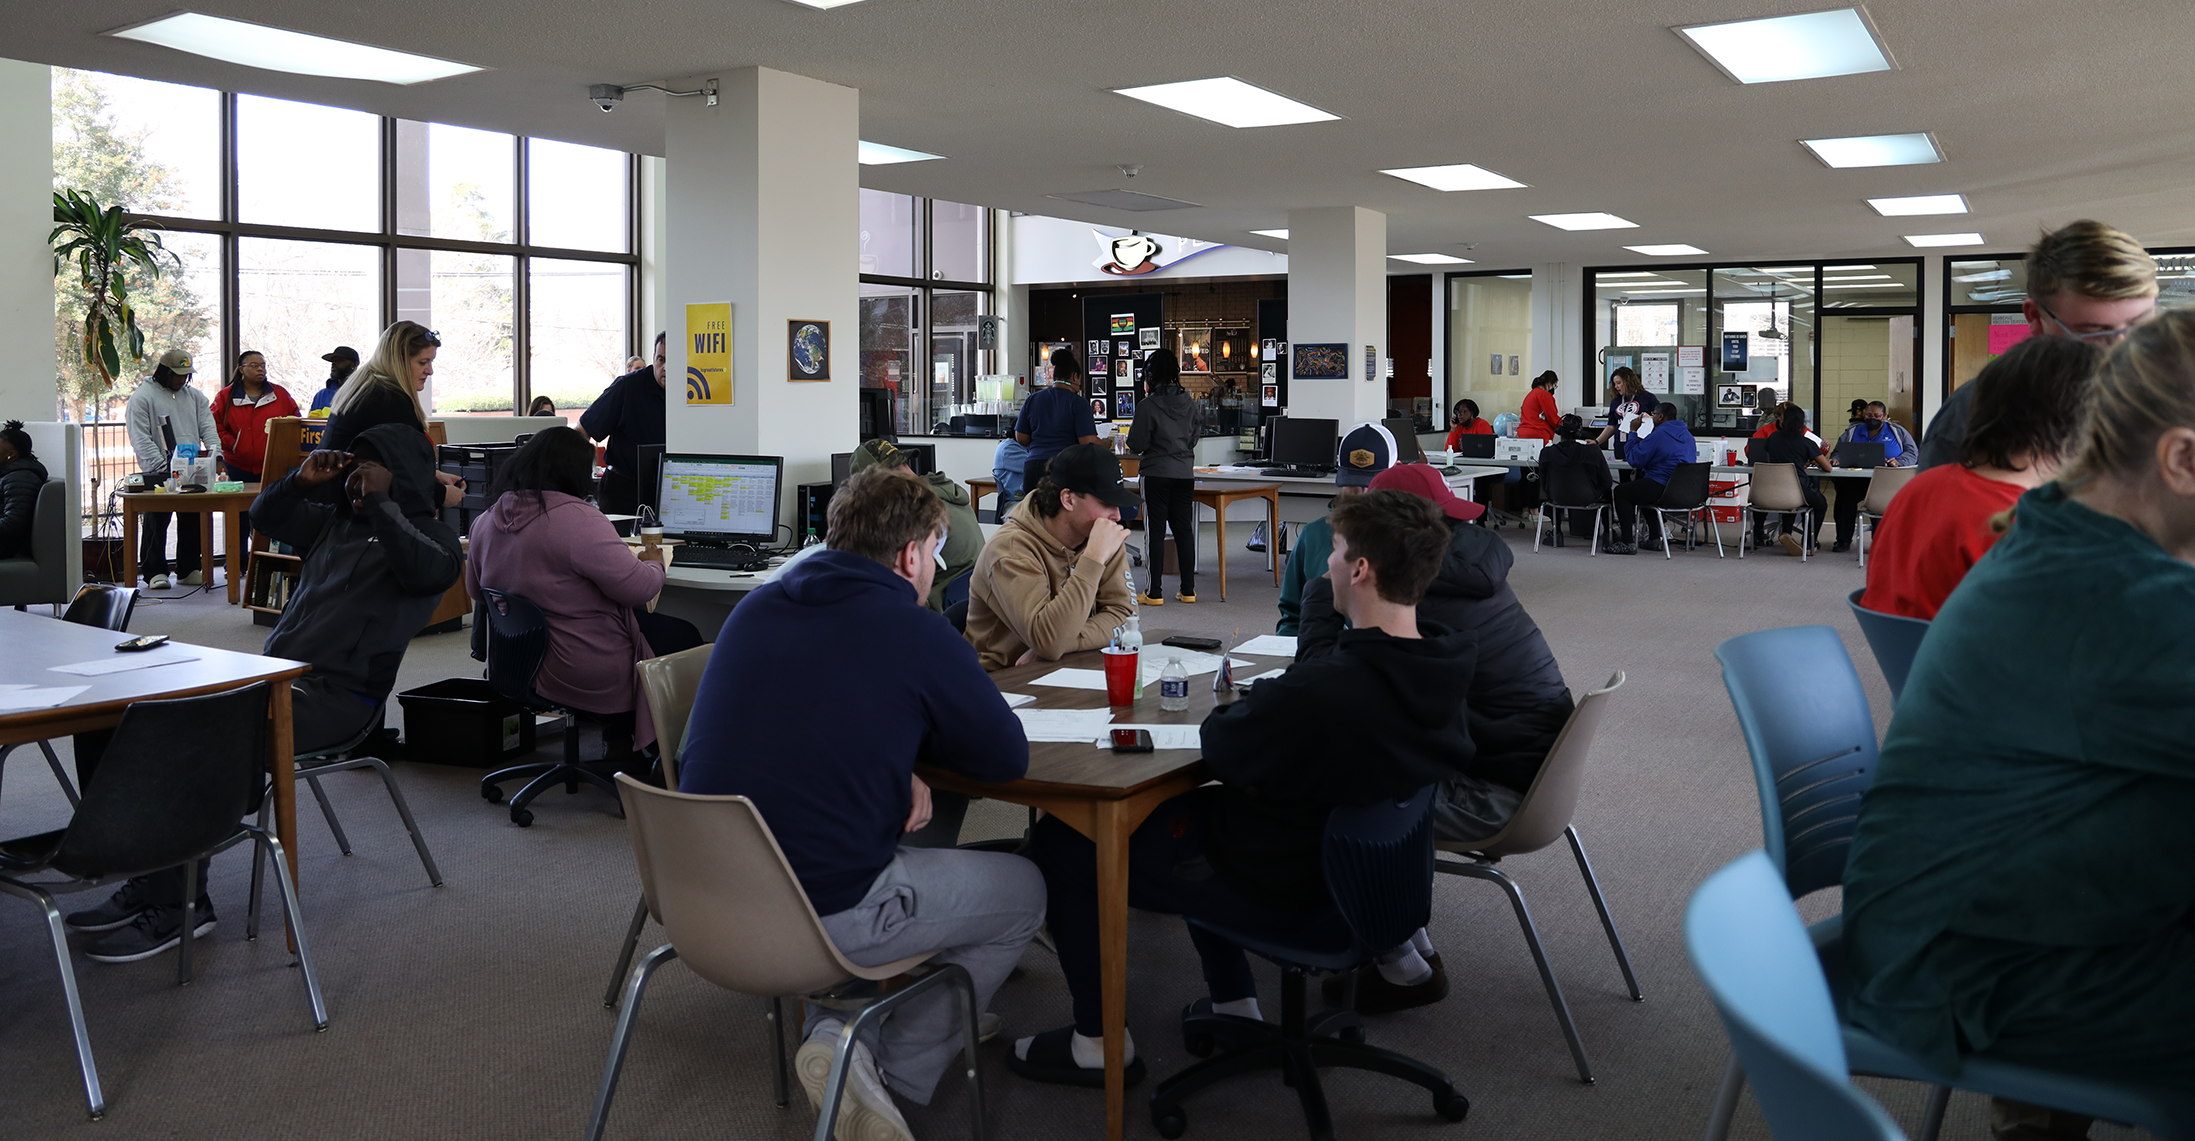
<point x="1337" y="293"/>
<point x="26" y="262"/>
<point x="1047" y="251"/>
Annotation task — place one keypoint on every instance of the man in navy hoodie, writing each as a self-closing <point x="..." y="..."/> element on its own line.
<point x="797" y="712"/>
<point x="1654" y="458"/>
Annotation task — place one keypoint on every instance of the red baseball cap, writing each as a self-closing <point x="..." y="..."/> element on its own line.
<point x="1425" y="483"/>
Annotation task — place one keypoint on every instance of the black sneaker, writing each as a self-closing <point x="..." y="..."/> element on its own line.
<point x="1619" y="547"/>
<point x="154" y="930"/>
<point x="1840" y="546"/>
<point x="120" y="908"/>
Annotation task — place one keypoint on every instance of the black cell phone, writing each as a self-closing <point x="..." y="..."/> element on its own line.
<point x="1183" y="641"/>
<point x="1131" y="740"/>
<point x="143" y="643"/>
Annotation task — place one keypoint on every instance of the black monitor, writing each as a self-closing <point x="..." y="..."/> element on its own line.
<point x="876" y="413"/>
<point x="1405" y="431"/>
<point x="1475" y="446"/>
<point x="720" y="499"/>
<point x="1304" y="442"/>
<point x="651" y="471"/>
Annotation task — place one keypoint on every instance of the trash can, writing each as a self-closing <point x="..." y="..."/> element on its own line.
<point x="464" y="721"/>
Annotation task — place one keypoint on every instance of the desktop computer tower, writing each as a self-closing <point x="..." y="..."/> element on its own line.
<point x="811" y="512"/>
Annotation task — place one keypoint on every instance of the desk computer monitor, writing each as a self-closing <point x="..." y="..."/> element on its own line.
<point x="720" y="499"/>
<point x="651" y="473"/>
<point x="1304" y="442"/>
<point x="1405" y="431"/>
<point x="1859" y="454"/>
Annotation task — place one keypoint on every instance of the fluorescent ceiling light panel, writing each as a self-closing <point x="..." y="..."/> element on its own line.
<point x="1431" y="259"/>
<point x="1876" y="285"/>
<point x="1844" y="268"/>
<point x="1985" y="275"/>
<point x="1861" y="277"/>
<point x="1919" y="204"/>
<point x="825" y="5"/>
<point x="878" y="154"/>
<point x="1229" y="102"/>
<point x="1665" y="251"/>
<point x="1875" y="150"/>
<point x="1461" y="176"/>
<point x="278" y="49"/>
<point x="1281" y="234"/>
<point x="1636" y="273"/>
<point x="1780" y="48"/>
<point x="1925" y="241"/>
<point x="1588" y="221"/>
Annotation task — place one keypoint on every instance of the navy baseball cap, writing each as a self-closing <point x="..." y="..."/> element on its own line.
<point x="1367" y="450"/>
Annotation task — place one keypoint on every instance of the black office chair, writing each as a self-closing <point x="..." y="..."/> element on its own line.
<point x="1567" y="488"/>
<point x="172" y="784"/>
<point x="1685" y="496"/>
<point x="1379" y="867"/>
<point x="98" y="604"/>
<point x="514" y="645"/>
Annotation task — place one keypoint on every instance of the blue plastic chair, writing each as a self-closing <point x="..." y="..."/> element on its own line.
<point x="1758" y="965"/>
<point x="1895" y="638"/>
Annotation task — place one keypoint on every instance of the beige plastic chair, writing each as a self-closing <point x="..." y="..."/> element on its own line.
<point x="737" y="915"/>
<point x="1775" y="490"/>
<point x="670" y="683"/>
<point x="1540" y="820"/>
<point x="1886" y="484"/>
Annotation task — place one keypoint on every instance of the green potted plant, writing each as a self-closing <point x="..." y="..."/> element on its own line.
<point x="105" y="243"/>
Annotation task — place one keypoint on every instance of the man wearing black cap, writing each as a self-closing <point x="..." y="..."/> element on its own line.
<point x="1054" y="580"/>
<point x="341" y="364"/>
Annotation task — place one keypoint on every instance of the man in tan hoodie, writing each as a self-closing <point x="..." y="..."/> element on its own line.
<point x="1054" y="580"/>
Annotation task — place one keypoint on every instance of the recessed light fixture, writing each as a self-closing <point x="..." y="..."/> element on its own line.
<point x="1460" y="176"/>
<point x="824" y="5"/>
<point x="1919" y="204"/>
<point x="1861" y="277"/>
<point x="1665" y="251"/>
<point x="1876" y="150"/>
<point x="1811" y="45"/>
<point x="878" y="154"/>
<point x="1924" y="241"/>
<point x="1985" y="275"/>
<point x="1281" y="234"/>
<point x="1844" y="268"/>
<point x="1431" y="259"/>
<point x="1874" y="285"/>
<point x="1636" y="273"/>
<point x="1588" y="221"/>
<point x="1229" y="102"/>
<point x="279" y="49"/>
<point x="1787" y="269"/>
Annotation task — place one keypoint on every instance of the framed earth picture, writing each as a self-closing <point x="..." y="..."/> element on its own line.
<point x="808" y="350"/>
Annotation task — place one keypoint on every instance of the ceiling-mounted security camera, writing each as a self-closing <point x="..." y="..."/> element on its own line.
<point x="606" y="96"/>
<point x="1132" y="169"/>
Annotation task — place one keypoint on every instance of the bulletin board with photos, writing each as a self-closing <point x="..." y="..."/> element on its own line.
<point x="1116" y="331"/>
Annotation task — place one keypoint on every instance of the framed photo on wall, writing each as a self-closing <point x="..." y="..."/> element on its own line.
<point x="1148" y="338"/>
<point x="1098" y="409"/>
<point x="1124" y="405"/>
<point x="1122" y="370"/>
<point x="808" y="350"/>
<point x="1095" y="350"/>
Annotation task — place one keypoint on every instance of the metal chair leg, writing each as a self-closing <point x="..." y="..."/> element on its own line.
<point x="94" y="1098"/>
<point x="970" y="1032"/>
<point x="1600" y="904"/>
<point x="404" y="810"/>
<point x="190" y="923"/>
<point x="1539" y="954"/>
<point x="1939" y="1100"/>
<point x="328" y="810"/>
<point x="251" y="916"/>
<point x="68" y="789"/>
<point x="635" y="989"/>
<point x="1726" y="1101"/>
<point x="625" y="953"/>
<point x="776" y="1016"/>
<point x="296" y="917"/>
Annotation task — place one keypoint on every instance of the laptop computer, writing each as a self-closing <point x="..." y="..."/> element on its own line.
<point x="1405" y="432"/>
<point x="1475" y="445"/>
<point x="1858" y="454"/>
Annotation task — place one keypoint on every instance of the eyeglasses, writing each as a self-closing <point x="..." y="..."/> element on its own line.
<point x="2097" y="335"/>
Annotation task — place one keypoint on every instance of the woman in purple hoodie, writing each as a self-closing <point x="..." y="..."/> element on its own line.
<point x="543" y="541"/>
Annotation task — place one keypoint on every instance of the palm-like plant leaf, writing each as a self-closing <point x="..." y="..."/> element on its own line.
<point x="107" y="245"/>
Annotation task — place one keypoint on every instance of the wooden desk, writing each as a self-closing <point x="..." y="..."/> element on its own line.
<point x="977" y="489"/>
<point x="1219" y="494"/>
<point x="1104" y="796"/>
<point x="37" y="644"/>
<point x="205" y="505"/>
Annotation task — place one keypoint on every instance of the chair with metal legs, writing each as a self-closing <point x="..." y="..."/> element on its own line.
<point x="1542" y="818"/>
<point x="1774" y="489"/>
<point x="1566" y="488"/>
<point x="341" y="758"/>
<point x="107" y="607"/>
<point x="1881" y="489"/>
<point x="1686" y="497"/>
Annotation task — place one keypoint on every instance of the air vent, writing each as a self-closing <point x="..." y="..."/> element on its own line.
<point x="1125" y="200"/>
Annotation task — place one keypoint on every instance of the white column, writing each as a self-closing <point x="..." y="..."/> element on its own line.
<point x="763" y="211"/>
<point x="1337" y="294"/>
<point x="1929" y="378"/>
<point x="1558" y="332"/>
<point x="27" y="343"/>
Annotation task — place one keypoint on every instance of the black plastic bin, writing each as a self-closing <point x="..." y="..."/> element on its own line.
<point x="464" y="721"/>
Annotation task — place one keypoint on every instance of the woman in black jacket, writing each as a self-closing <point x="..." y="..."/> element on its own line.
<point x="21" y="476"/>
<point x="1165" y="436"/>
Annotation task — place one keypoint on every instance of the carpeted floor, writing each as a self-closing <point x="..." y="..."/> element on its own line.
<point x="475" y="1010"/>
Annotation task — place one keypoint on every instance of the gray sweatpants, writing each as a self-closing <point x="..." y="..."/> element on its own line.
<point x="981" y="908"/>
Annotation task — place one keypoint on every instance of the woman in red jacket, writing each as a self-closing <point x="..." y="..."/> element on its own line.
<point x="240" y="414"/>
<point x="1540" y="417"/>
<point x="1467" y="421"/>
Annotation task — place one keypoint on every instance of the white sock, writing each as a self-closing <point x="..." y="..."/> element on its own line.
<point x="1422" y="941"/>
<point x="1403" y="966"/>
<point x="1240" y="1008"/>
<point x="1089" y="1053"/>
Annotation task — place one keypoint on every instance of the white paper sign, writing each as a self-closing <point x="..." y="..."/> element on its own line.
<point x="1654" y="371"/>
<point x="1692" y="381"/>
<point x="1691" y="356"/>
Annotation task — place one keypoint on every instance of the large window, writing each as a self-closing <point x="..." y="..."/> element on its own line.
<point x="925" y="279"/>
<point x="518" y="251"/>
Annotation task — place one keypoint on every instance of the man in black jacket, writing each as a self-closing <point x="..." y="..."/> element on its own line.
<point x="1578" y="467"/>
<point x="1381" y="716"/>
<point x="629" y="413"/>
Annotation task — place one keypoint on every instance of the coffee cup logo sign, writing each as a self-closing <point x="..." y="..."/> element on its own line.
<point x="1131" y="256"/>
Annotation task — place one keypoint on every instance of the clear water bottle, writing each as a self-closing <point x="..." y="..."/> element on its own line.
<point x="1173" y="686"/>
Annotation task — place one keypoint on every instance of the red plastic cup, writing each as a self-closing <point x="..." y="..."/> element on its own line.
<point x="1120" y="676"/>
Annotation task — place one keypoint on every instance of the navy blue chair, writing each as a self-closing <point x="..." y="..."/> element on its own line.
<point x="516" y="643"/>
<point x="1378" y="861"/>
<point x="1895" y="638"/>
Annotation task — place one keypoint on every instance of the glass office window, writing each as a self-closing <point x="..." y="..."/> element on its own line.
<point x="1871" y="286"/>
<point x="470" y="303"/>
<point x="301" y="164"/>
<point x="888" y="234"/>
<point x="297" y="300"/>
<point x="154" y="148"/>
<point x="576" y="330"/>
<point x="1991" y="281"/>
<point x="891" y="332"/>
<point x="960" y="242"/>
<point x="952" y="357"/>
<point x="1775" y="307"/>
<point x="1489" y="343"/>
<point x="455" y="182"/>
<point x="577" y="197"/>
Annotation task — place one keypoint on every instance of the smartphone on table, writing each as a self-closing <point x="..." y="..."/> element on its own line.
<point x="1131" y="740"/>
<point x="144" y="643"/>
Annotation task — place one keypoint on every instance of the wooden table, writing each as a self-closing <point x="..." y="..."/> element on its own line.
<point x="1219" y="494"/>
<point x="204" y="504"/>
<point x="36" y="644"/>
<point x="977" y="489"/>
<point x="1104" y="796"/>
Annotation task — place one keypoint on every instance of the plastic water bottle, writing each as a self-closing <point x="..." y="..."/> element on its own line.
<point x="1173" y="686"/>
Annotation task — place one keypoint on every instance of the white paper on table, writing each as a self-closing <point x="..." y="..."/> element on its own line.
<point x="1192" y="662"/>
<point x="1243" y="681"/>
<point x="124" y="663"/>
<point x="19" y="698"/>
<point x="1270" y="645"/>
<point x="1074" y="679"/>
<point x="11" y="688"/>
<point x="1064" y="724"/>
<point x="1017" y="700"/>
<point x="1163" y="736"/>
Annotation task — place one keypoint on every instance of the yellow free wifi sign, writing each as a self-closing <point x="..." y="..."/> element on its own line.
<point x="709" y="353"/>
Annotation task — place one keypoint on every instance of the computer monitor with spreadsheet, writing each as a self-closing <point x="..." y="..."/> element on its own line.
<point x="719" y="499"/>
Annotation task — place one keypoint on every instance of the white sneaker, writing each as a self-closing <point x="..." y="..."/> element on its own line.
<point x="865" y="1109"/>
<point x="159" y="582"/>
<point x="195" y="578"/>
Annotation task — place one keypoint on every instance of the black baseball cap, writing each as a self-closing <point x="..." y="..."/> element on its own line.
<point x="341" y="353"/>
<point x="1090" y="469"/>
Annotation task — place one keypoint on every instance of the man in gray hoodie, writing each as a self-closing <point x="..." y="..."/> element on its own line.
<point x="1164" y="435"/>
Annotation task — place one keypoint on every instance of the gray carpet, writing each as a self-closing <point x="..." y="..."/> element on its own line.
<point x="475" y="1010"/>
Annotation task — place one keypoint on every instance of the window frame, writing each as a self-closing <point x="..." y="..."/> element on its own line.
<point x="925" y="286"/>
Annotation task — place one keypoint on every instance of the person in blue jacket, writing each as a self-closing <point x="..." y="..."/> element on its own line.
<point x="1654" y="457"/>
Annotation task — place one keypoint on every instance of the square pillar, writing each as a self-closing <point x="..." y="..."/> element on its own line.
<point x="27" y="342"/>
<point x="1337" y="294"/>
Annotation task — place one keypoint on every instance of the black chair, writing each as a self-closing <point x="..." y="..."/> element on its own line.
<point x="340" y="758"/>
<point x="1566" y="488"/>
<point x="1379" y="867"/>
<point x="174" y="781"/>
<point x="1685" y="496"/>
<point x="96" y="604"/>
<point x="515" y="645"/>
<point x="955" y="613"/>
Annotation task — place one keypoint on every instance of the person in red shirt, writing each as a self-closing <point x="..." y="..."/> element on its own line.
<point x="240" y="413"/>
<point x="1467" y="421"/>
<point x="1540" y="416"/>
<point x="2020" y="429"/>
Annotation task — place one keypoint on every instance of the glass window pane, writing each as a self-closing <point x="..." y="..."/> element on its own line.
<point x="1991" y="282"/>
<point x="467" y="299"/>
<point x="1774" y="306"/>
<point x="1638" y="309"/>
<point x="576" y="196"/>
<point x="2175" y="280"/>
<point x="1857" y="286"/>
<point x="297" y="300"/>
<point x="181" y="309"/>
<point x="960" y="242"/>
<point x="300" y="164"/>
<point x="890" y="333"/>
<point x="887" y="234"/>
<point x="152" y="147"/>
<point x="576" y="333"/>
<point x="1489" y="344"/>
<point x="455" y="182"/>
<point x="952" y="369"/>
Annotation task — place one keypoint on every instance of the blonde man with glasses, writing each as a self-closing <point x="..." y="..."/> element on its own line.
<point x="2085" y="280"/>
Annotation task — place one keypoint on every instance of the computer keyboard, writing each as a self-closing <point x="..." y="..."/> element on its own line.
<point x="1297" y="472"/>
<point x="721" y="558"/>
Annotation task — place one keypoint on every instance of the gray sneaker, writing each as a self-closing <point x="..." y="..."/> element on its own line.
<point x="121" y="907"/>
<point x="154" y="930"/>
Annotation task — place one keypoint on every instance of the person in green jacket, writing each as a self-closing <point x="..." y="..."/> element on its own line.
<point x="2022" y="880"/>
<point x="964" y="534"/>
<point x="1366" y="451"/>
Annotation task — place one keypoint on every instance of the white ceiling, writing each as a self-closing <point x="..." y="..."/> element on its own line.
<point x="2045" y="111"/>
